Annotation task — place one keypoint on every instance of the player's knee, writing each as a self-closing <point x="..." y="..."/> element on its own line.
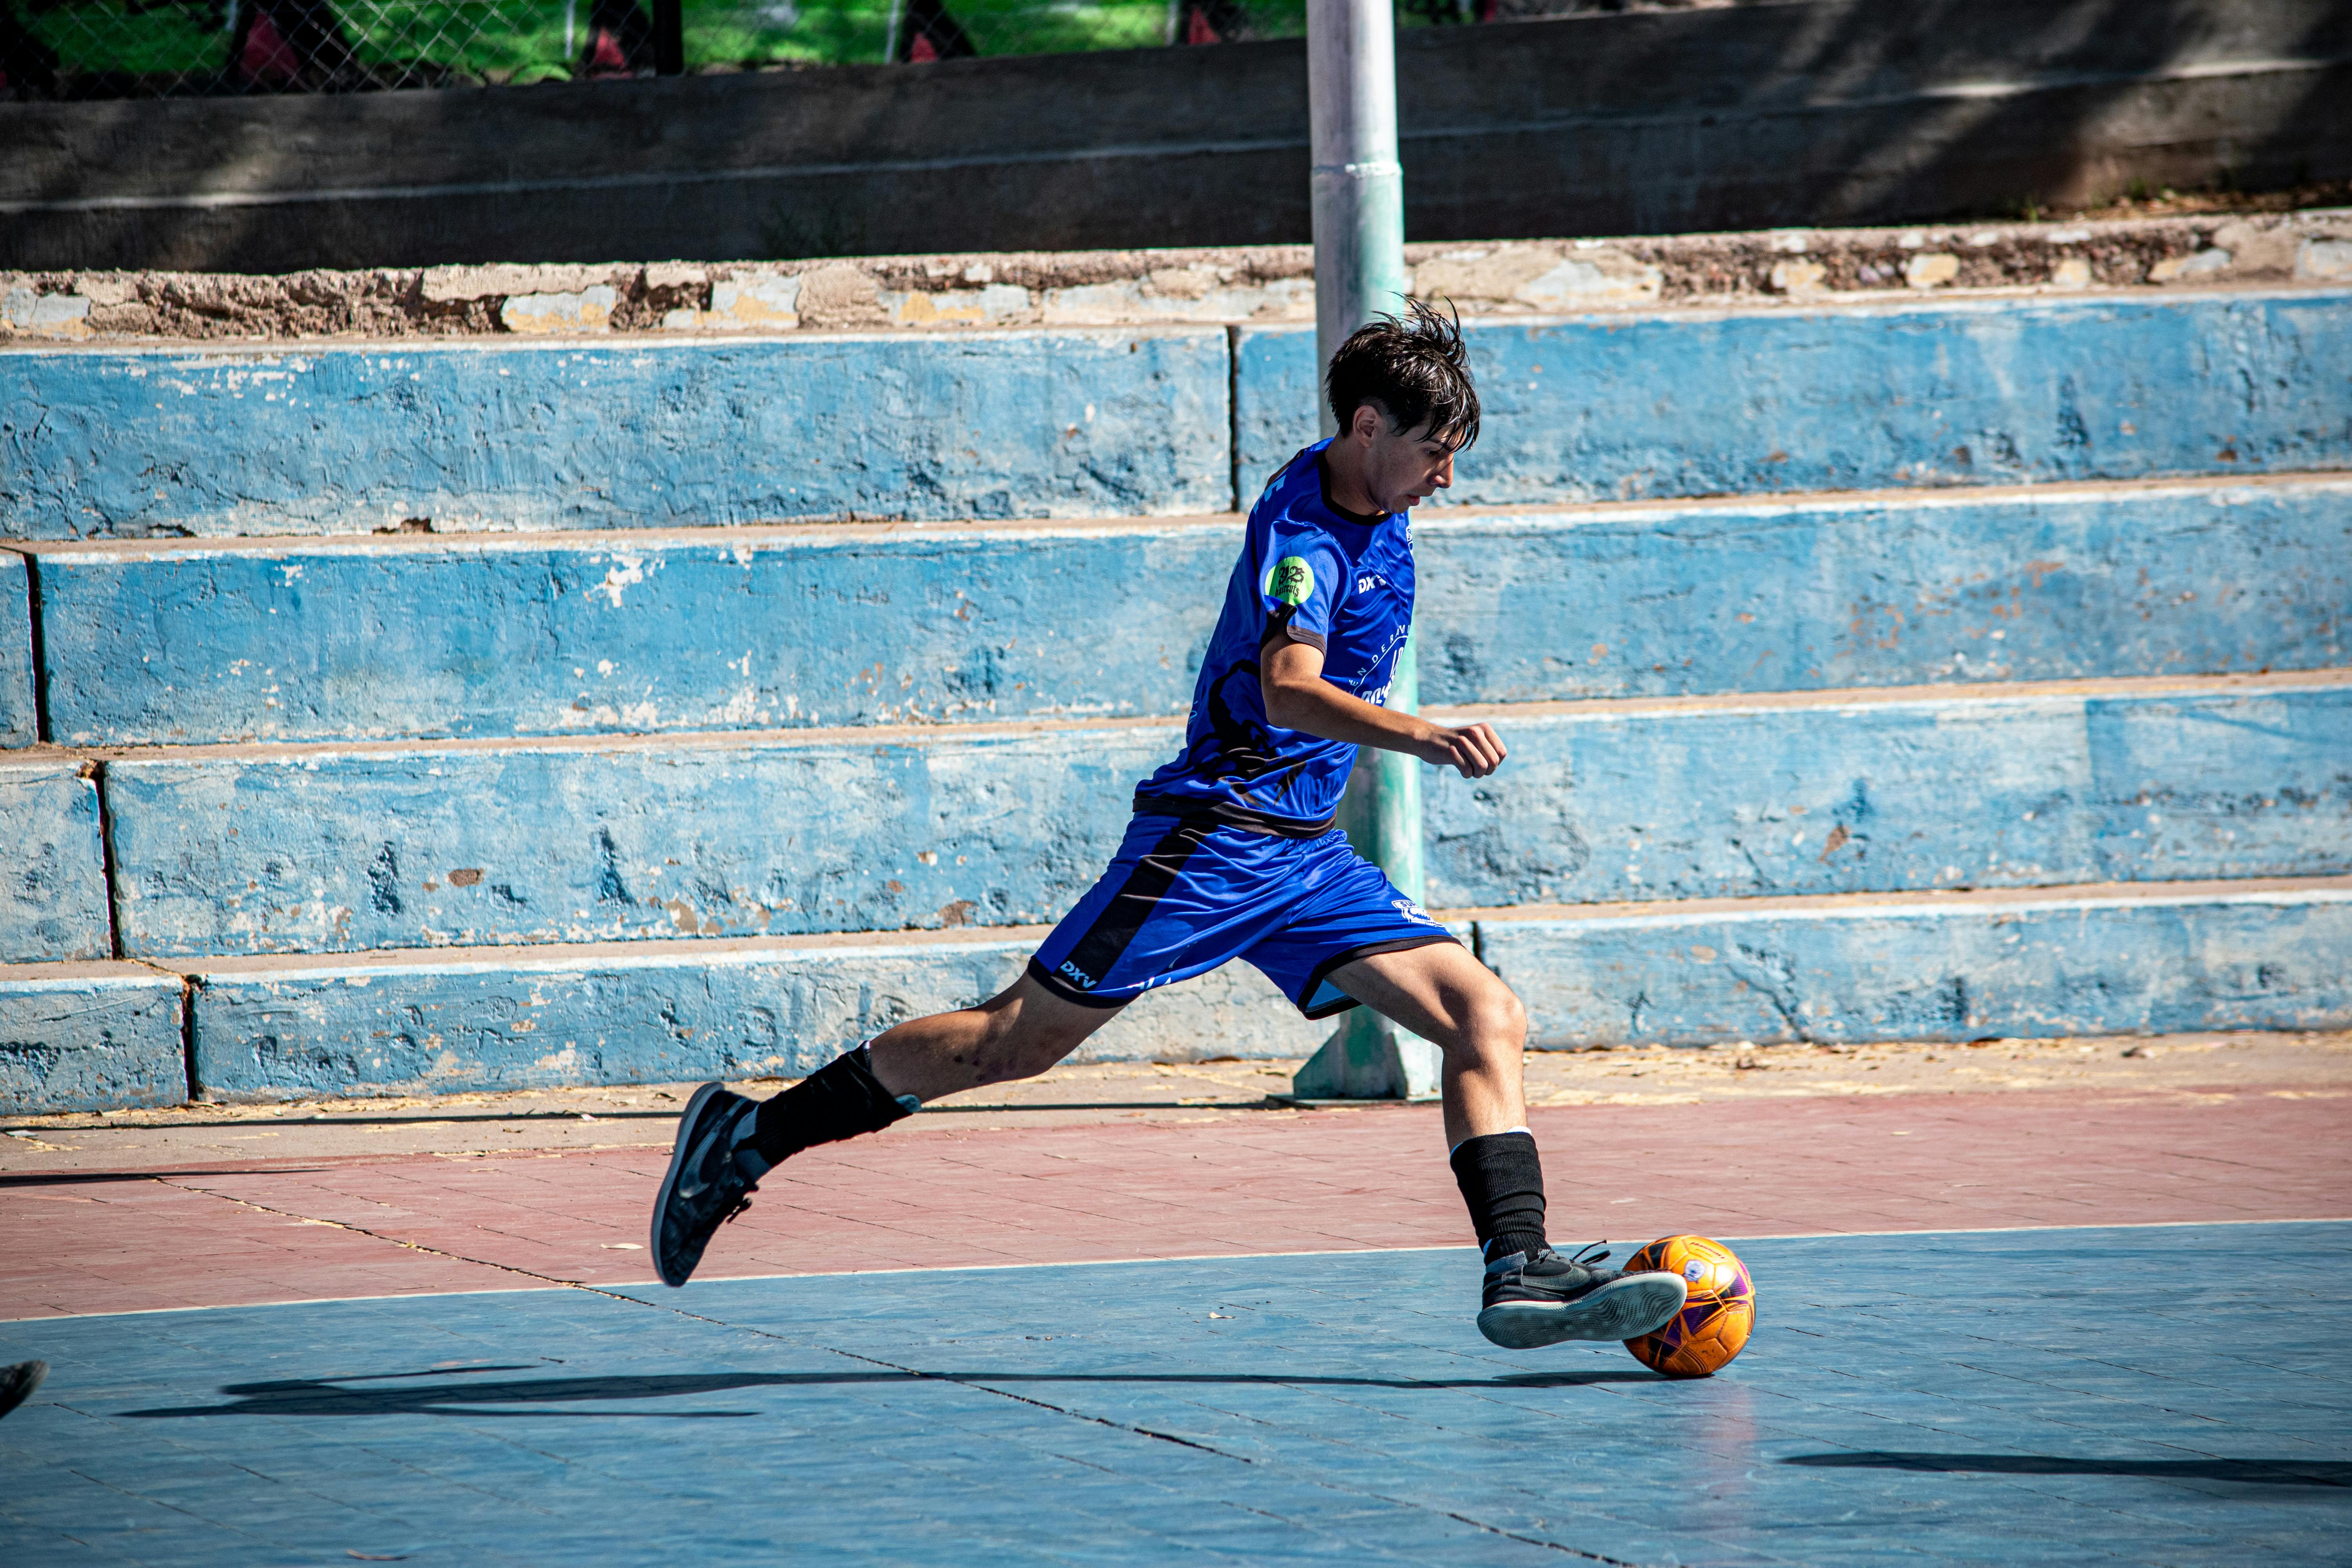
<point x="1499" y="1022"/>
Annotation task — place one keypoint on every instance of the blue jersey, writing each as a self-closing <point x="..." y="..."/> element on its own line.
<point x="1308" y="572"/>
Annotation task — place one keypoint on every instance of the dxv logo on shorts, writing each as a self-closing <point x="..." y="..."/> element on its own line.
<point x="1085" y="982"/>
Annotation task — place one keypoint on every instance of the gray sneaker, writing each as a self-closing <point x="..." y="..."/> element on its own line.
<point x="705" y="1184"/>
<point x="1545" y="1298"/>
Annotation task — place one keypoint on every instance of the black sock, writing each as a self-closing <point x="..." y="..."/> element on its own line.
<point x="840" y="1100"/>
<point x="1502" y="1181"/>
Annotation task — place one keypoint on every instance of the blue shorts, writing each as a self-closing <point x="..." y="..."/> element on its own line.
<point x="1184" y="895"/>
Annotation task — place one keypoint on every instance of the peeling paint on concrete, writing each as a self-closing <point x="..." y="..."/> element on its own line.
<point x="771" y="630"/>
<point x="328" y="851"/>
<point x="1834" y="592"/>
<point x="589" y="311"/>
<point x="347" y="852"/>
<point x="352" y="439"/>
<point x="634" y="1017"/>
<point x="754" y="631"/>
<point x="2034" y="966"/>
<point x="89" y="1037"/>
<point x="1932" y="393"/>
<point x="53" y="864"/>
<point x="1880" y="796"/>
<point x="19" y="716"/>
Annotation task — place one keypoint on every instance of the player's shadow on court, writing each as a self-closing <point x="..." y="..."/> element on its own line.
<point x="333" y="1396"/>
<point x="2251" y="1472"/>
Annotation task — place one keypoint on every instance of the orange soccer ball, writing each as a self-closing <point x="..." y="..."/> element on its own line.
<point x="1715" y="1321"/>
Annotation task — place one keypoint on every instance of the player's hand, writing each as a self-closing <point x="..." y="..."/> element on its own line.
<point x="1474" y="749"/>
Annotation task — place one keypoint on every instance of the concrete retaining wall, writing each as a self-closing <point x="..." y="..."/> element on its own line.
<point x="1135" y="421"/>
<point x="52" y="864"/>
<point x="1836" y="111"/>
<point x="89" y="1037"/>
<point x="1957" y="393"/>
<point x="1259" y="285"/>
<point x="174" y="644"/>
<point x="2161" y="961"/>
<point x="346" y="440"/>
<point x="326" y="851"/>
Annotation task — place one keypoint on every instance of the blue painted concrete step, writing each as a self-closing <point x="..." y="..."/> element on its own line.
<point x="161" y="643"/>
<point x="53" y="902"/>
<point x="89" y="1037"/>
<point x="347" y="439"/>
<point x="1984" y="787"/>
<point x="1063" y="423"/>
<point x="656" y="1011"/>
<point x="318" y="849"/>
<point x="2083" y="961"/>
<point x="1851" y="397"/>
<point x="2109" y="960"/>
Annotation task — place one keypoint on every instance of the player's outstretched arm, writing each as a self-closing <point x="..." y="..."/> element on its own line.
<point x="1298" y="697"/>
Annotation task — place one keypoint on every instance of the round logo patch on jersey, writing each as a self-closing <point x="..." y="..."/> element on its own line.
<point x="1290" y="581"/>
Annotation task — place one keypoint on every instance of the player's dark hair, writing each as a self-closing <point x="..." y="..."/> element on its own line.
<point x="1414" y="368"/>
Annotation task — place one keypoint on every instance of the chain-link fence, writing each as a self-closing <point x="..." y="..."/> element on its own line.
<point x="129" y="48"/>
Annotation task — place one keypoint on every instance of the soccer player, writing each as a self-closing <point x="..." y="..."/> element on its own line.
<point x="1232" y="854"/>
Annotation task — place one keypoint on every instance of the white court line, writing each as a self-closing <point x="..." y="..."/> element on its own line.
<point x="615" y="1290"/>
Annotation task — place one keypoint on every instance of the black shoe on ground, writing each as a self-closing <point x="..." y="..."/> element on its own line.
<point x="705" y="1186"/>
<point x="1545" y="1298"/>
<point x="18" y="1383"/>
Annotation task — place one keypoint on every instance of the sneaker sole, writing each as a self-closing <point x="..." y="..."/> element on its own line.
<point x="686" y="1121"/>
<point x="1622" y="1310"/>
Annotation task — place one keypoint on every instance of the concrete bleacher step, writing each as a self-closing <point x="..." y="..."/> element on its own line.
<point x="1163" y="421"/>
<point x="391" y="844"/>
<point x="188" y="642"/>
<point x="2116" y="959"/>
<point x="53" y="900"/>
<point x="1836" y="398"/>
<point x="91" y="1036"/>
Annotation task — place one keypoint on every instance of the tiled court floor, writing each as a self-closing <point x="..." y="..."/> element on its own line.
<point x="929" y="1193"/>
<point x="2137" y="1395"/>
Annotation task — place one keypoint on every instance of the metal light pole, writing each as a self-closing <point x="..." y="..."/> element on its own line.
<point x="1358" y="194"/>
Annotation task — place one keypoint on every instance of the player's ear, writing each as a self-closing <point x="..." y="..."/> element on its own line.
<point x="1367" y="422"/>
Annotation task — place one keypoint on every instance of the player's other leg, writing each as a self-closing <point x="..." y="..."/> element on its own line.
<point x="1178" y="897"/>
<point x="726" y="1142"/>
<point x="1531" y="1295"/>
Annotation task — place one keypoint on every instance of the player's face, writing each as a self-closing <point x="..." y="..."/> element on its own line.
<point x="1404" y="468"/>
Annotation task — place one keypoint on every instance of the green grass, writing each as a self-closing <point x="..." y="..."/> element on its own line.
<point x="523" y="39"/>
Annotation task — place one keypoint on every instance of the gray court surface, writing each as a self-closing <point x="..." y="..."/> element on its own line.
<point x="2173" y="1394"/>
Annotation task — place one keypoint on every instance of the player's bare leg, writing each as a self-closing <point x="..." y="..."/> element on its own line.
<point x="1018" y="1032"/>
<point x="1445" y="995"/>
<point x="726" y="1142"/>
<point x="1531" y="1295"/>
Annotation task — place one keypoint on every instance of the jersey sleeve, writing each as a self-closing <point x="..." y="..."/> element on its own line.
<point x="1305" y="579"/>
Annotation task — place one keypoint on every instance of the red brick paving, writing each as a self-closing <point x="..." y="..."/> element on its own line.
<point x="1329" y="1182"/>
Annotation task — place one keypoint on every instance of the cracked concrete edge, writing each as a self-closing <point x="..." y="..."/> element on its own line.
<point x="1259" y="284"/>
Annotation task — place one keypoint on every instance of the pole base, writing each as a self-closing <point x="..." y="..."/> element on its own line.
<point x="1367" y="1058"/>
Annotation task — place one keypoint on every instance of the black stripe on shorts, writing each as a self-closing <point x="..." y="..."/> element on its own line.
<point x="1114" y="930"/>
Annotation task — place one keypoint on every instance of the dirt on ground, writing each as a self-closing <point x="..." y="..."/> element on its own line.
<point x="2199" y="1065"/>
